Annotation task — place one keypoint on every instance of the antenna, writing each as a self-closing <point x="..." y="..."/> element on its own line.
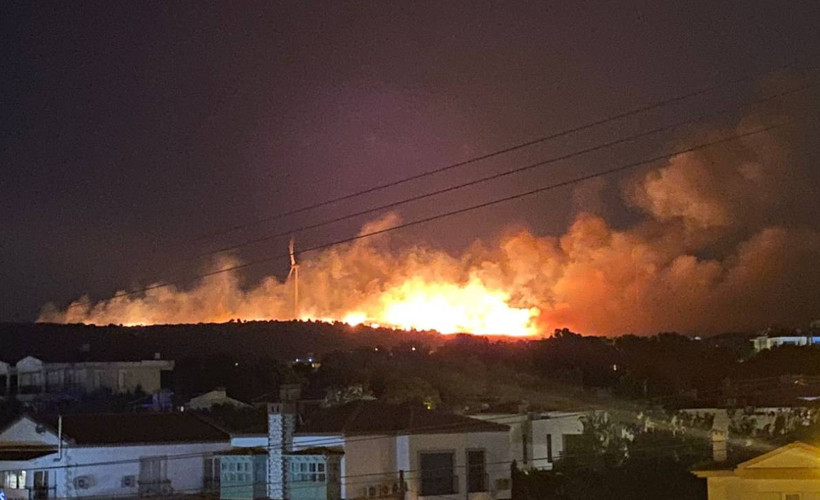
<point x="294" y="272"/>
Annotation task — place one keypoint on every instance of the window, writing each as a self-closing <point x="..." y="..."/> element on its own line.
<point x="211" y="472"/>
<point x="13" y="480"/>
<point x="573" y="444"/>
<point x="437" y="476"/>
<point x="40" y="484"/>
<point x="308" y="471"/>
<point x="476" y="471"/>
<point x="153" y="470"/>
<point x="792" y="496"/>
<point x="549" y="448"/>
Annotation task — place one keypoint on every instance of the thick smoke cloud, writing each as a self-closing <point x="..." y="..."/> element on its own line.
<point x="728" y="240"/>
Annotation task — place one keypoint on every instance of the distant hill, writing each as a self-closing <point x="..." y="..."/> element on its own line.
<point x="252" y="339"/>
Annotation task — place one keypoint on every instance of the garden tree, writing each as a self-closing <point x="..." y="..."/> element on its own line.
<point x="567" y="352"/>
<point x="243" y="379"/>
<point x="338" y="396"/>
<point x="783" y="360"/>
<point x="411" y="390"/>
<point x="614" y="459"/>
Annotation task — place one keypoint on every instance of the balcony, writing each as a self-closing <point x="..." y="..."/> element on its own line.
<point x="153" y="488"/>
<point x="477" y="482"/>
<point x="436" y="484"/>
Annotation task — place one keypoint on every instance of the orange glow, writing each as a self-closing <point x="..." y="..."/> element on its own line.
<point x="452" y="308"/>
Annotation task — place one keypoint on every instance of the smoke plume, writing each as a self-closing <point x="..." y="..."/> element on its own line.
<point x="728" y="239"/>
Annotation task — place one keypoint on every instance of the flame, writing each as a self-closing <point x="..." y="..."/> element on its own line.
<point x="450" y="308"/>
<point x="706" y="256"/>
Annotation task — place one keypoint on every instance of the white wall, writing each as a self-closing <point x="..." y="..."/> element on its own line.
<point x="533" y="431"/>
<point x="497" y="455"/>
<point x="556" y="424"/>
<point x="25" y="431"/>
<point x="108" y="465"/>
<point x="105" y="468"/>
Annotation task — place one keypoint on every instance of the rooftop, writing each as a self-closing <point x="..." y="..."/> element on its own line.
<point x="376" y="417"/>
<point x="134" y="428"/>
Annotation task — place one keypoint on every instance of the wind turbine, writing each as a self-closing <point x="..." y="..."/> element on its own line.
<point x="294" y="272"/>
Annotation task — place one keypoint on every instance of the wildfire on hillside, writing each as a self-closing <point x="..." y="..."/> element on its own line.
<point x="709" y="255"/>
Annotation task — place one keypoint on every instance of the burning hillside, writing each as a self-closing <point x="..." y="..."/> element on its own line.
<point x="710" y="254"/>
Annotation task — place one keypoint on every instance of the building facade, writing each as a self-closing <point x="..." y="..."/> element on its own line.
<point x="537" y="440"/>
<point x="109" y="456"/>
<point x="408" y="452"/>
<point x="791" y="472"/>
<point x="31" y="378"/>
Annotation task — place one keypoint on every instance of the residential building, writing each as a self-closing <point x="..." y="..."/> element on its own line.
<point x="764" y="342"/>
<point x="538" y="440"/>
<point x="110" y="455"/>
<point x="31" y="379"/>
<point x="243" y="473"/>
<point x="791" y="472"/>
<point x="404" y="449"/>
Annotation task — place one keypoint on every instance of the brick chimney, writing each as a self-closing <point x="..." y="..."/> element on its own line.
<point x="281" y="425"/>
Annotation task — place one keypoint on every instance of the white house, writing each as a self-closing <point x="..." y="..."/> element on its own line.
<point x="764" y="342"/>
<point x="109" y="455"/>
<point x="429" y="454"/>
<point x="537" y="440"/>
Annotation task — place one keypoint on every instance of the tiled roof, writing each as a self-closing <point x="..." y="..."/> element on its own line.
<point x="318" y="450"/>
<point x="25" y="452"/>
<point x="133" y="428"/>
<point x="368" y="417"/>
<point x="244" y="451"/>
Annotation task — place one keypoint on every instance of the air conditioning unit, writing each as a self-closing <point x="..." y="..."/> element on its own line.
<point x="82" y="482"/>
<point x="129" y="481"/>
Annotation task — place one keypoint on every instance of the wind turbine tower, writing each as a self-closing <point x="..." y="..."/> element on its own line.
<point x="294" y="273"/>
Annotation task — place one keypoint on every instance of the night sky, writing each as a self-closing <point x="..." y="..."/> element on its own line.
<point x="129" y="129"/>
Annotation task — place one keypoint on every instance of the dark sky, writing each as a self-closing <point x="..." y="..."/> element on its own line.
<point x="129" y="128"/>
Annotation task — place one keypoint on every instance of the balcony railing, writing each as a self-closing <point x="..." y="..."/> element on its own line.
<point x="477" y="482"/>
<point x="432" y="484"/>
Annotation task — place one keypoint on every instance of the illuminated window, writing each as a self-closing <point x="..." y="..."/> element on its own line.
<point x="13" y="480"/>
<point x="792" y="496"/>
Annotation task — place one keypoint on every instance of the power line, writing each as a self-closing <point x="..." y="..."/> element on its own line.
<point x="506" y="173"/>
<point x="556" y="135"/>
<point x="451" y="213"/>
<point x="383" y="474"/>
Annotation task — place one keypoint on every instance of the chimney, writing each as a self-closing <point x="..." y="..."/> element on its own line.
<point x="281" y="425"/>
<point x="720" y="436"/>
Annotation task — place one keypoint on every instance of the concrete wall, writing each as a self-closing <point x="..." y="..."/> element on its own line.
<point x="105" y="468"/>
<point x="375" y="460"/>
<point x="735" y="488"/>
<point x="556" y="425"/>
<point x="528" y="435"/>
<point x="497" y="456"/>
